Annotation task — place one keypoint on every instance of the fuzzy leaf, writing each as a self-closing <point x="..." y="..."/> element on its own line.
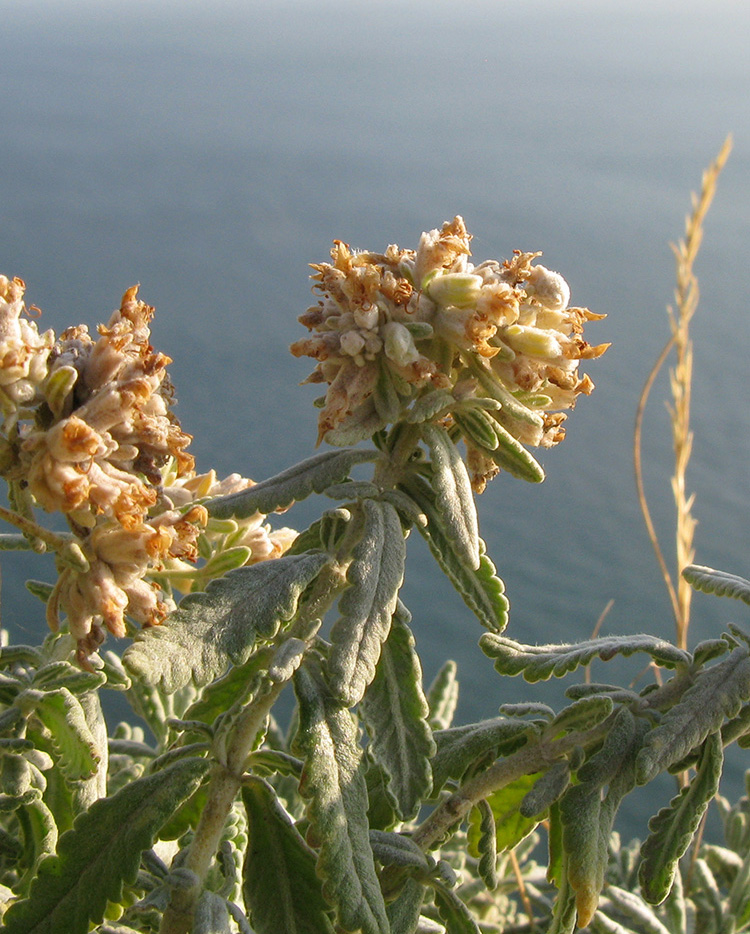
<point x="588" y="818"/>
<point x="477" y="427"/>
<point x="296" y="483"/>
<point x="459" y="748"/>
<point x="211" y="630"/>
<point x="548" y="788"/>
<point x="367" y="605"/>
<point x="395" y="712"/>
<point x="582" y="714"/>
<point x="218" y="696"/>
<point x="211" y="915"/>
<point x="540" y="662"/>
<point x="718" y="692"/>
<point x="100" y="852"/>
<point x="333" y="782"/>
<point x="61" y="712"/>
<point x="281" y="889"/>
<point x="720" y="583"/>
<point x="404" y="911"/>
<point x="453" y="912"/>
<point x="454" y="500"/>
<point x="486" y="845"/>
<point x="510" y="825"/>
<point x="673" y="827"/>
<point x="510" y="455"/>
<point x="481" y="589"/>
<point x="426" y="407"/>
<point x="633" y="907"/>
<point x="395" y="849"/>
<point x="442" y="696"/>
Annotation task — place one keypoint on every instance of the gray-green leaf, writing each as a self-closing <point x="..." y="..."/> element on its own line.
<point x="395" y="712"/>
<point x="101" y="852"/>
<point x="211" y="630"/>
<point x="334" y="783"/>
<point x="296" y="483"/>
<point x="720" y="583"/>
<point x="367" y="605"/>
<point x="281" y="889"/>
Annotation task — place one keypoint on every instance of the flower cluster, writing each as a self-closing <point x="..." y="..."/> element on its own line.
<point x="500" y="337"/>
<point x="89" y="432"/>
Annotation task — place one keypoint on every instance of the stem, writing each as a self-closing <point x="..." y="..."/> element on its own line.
<point x="57" y="542"/>
<point x="226" y="778"/>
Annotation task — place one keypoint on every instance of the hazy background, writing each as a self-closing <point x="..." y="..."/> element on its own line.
<point x="210" y="151"/>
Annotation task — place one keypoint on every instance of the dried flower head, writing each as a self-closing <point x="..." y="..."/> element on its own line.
<point x="499" y="339"/>
<point x="89" y="431"/>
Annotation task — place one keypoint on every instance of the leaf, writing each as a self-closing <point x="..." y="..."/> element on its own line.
<point x="540" y="662"/>
<point x="629" y="904"/>
<point x="510" y="825"/>
<point x="442" y="696"/>
<point x="673" y="827"/>
<point x="218" y="696"/>
<point x="313" y="475"/>
<point x="453" y="912"/>
<point x="454" y="500"/>
<point x="583" y="714"/>
<point x="476" y="426"/>
<point x="211" y="630"/>
<point x="395" y="849"/>
<point x="403" y="912"/>
<point x="395" y="713"/>
<point x="720" y="583"/>
<point x="588" y="818"/>
<point x="62" y="714"/>
<point x="512" y="456"/>
<point x="461" y="747"/>
<point x="367" y="605"/>
<point x="100" y="852"/>
<point x="333" y="783"/>
<point x="279" y="884"/>
<point x="211" y="915"/>
<point x="481" y="589"/>
<point x="548" y="788"/>
<point x="428" y="406"/>
<point x="718" y="692"/>
<point x="486" y="845"/>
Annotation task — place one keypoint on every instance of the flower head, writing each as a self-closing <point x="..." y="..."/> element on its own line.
<point x="391" y="327"/>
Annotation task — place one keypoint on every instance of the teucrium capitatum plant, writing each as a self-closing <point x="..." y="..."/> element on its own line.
<point x="368" y="810"/>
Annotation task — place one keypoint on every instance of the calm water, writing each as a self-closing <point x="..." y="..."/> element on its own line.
<point x="211" y="151"/>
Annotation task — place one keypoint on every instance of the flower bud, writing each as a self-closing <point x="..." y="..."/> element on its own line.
<point x="399" y="344"/>
<point x="454" y="288"/>
<point x="533" y="342"/>
<point x="548" y="288"/>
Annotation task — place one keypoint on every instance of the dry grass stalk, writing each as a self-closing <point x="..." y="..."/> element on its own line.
<point x="686" y="301"/>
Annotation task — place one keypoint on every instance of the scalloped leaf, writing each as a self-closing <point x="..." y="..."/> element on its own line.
<point x="211" y="630"/>
<point x="374" y="577"/>
<point x="486" y="845"/>
<point x="460" y="747"/>
<point x="718" y="693"/>
<point x="310" y="476"/>
<point x="635" y="910"/>
<point x="101" y="852"/>
<point x="428" y="406"/>
<point x="442" y="696"/>
<point x="720" y="583"/>
<point x="481" y="588"/>
<point x="588" y="818"/>
<point x="673" y="827"/>
<point x="61" y="713"/>
<point x="333" y="782"/>
<point x="281" y="889"/>
<point x="453" y="498"/>
<point x="582" y="714"/>
<point x="453" y="912"/>
<point x="541" y="662"/>
<point x="395" y="849"/>
<point x="395" y="713"/>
